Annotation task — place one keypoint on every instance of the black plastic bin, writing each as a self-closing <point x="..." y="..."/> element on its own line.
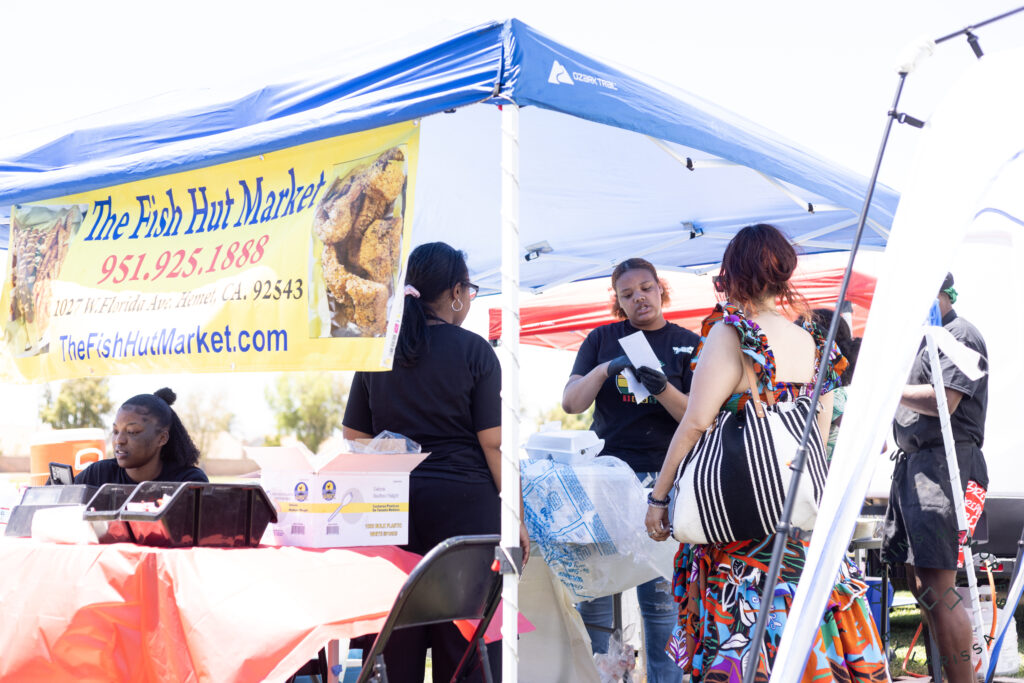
<point x="40" y="497"/>
<point x="196" y="514"/>
<point x="103" y="511"/>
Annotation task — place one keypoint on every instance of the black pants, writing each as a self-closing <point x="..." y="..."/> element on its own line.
<point x="440" y="509"/>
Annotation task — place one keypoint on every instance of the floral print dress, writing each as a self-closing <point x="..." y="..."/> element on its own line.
<point x="718" y="586"/>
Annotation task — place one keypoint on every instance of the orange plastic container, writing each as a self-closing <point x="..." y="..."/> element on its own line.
<point x="76" y="447"/>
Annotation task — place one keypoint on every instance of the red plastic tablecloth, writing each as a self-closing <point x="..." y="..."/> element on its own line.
<point x="127" y="612"/>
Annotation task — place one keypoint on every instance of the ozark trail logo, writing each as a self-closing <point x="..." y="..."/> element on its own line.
<point x="559" y="74"/>
<point x="682" y="349"/>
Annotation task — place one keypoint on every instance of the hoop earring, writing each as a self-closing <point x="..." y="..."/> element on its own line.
<point x="461" y="305"/>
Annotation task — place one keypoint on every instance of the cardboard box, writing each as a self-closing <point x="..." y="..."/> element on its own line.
<point x="337" y="500"/>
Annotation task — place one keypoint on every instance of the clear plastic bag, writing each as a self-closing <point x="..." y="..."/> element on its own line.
<point x="588" y="521"/>
<point x="385" y="442"/>
<point x="616" y="665"/>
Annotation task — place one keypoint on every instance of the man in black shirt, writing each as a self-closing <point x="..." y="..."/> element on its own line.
<point x="921" y="528"/>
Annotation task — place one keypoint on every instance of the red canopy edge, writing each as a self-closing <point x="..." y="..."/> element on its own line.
<point x="563" y="317"/>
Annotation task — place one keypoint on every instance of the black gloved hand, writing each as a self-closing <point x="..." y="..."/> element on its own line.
<point x="617" y="365"/>
<point x="653" y="380"/>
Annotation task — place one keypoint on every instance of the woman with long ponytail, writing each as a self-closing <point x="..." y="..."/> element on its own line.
<point x="443" y="393"/>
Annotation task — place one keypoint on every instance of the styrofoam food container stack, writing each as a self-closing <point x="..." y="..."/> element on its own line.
<point x="565" y="445"/>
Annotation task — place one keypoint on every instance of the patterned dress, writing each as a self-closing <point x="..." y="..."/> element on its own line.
<point x="718" y="586"/>
<point x="839" y="397"/>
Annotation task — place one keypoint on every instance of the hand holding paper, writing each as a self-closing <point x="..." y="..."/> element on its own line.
<point x="653" y="380"/>
<point x="617" y="365"/>
<point x="640" y="355"/>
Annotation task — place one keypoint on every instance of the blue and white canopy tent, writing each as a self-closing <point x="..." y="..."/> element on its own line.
<point x="571" y="164"/>
<point x="604" y="154"/>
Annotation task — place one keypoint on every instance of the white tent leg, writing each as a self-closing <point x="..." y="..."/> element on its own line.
<point x="509" y="355"/>
<point x="958" y="496"/>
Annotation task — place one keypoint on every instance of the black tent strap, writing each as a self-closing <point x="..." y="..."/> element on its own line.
<point x="972" y="40"/>
<point x="906" y="118"/>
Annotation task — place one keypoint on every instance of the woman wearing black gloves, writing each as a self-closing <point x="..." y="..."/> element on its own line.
<point x="640" y="433"/>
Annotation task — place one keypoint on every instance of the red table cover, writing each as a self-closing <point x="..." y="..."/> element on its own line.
<point x="134" y="613"/>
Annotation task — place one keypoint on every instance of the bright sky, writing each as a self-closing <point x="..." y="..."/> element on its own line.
<point x="820" y="74"/>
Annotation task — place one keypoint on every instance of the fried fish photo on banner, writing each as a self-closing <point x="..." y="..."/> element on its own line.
<point x="357" y="229"/>
<point x="40" y="236"/>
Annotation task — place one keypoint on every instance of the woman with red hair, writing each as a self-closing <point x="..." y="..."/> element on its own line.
<point x="719" y="585"/>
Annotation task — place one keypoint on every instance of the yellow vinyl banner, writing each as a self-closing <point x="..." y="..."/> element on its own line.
<point x="289" y="260"/>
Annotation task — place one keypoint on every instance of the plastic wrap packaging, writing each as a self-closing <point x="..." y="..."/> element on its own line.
<point x="62" y="524"/>
<point x="588" y="521"/>
<point x="616" y="665"/>
<point x="385" y="442"/>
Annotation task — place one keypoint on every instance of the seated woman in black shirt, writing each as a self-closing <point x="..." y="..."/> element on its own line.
<point x="150" y="444"/>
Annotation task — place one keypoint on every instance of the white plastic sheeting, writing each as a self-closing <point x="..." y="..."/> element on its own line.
<point x="967" y="181"/>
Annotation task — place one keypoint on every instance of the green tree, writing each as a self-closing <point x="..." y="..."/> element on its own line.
<point x="82" y="402"/>
<point x="556" y="414"/>
<point x="205" y="416"/>
<point x="309" y="405"/>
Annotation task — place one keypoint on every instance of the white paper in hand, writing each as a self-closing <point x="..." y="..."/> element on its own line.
<point x="640" y="354"/>
<point x="636" y="388"/>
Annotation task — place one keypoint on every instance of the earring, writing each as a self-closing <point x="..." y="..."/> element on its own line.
<point x="461" y="305"/>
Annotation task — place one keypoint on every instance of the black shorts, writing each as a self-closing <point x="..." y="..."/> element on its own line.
<point x="920" y="523"/>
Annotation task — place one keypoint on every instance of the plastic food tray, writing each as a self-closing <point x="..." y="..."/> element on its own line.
<point x="103" y="511"/>
<point x="40" y="497"/>
<point x="185" y="514"/>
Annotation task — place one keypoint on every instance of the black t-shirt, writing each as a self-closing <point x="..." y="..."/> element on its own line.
<point x="914" y="431"/>
<point x="453" y="392"/>
<point x="638" y="434"/>
<point x="109" y="472"/>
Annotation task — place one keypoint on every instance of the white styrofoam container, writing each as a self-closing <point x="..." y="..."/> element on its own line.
<point x="564" y="445"/>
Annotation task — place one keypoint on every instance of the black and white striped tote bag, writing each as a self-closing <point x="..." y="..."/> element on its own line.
<point x="732" y="485"/>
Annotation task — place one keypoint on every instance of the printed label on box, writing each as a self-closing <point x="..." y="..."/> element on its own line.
<point x="351" y="500"/>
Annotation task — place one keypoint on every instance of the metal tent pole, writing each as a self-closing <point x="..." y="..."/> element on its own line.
<point x="509" y="356"/>
<point x="783" y="528"/>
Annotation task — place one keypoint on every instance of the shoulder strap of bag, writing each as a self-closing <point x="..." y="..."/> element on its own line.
<point x="755" y="395"/>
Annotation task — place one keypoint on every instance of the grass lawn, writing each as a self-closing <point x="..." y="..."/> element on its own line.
<point x="903" y="623"/>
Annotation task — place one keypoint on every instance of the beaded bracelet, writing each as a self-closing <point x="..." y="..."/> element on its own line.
<point x="655" y="502"/>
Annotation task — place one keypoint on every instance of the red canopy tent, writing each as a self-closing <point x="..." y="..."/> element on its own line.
<point x="562" y="317"/>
